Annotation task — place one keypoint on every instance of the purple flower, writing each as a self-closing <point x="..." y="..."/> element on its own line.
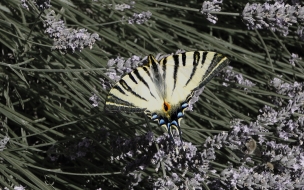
<point x="19" y="187"/>
<point x="294" y="57"/>
<point x="208" y="7"/>
<point x="43" y="4"/>
<point x="67" y="38"/>
<point x="140" y="18"/>
<point x="123" y="6"/>
<point x="24" y="4"/>
<point x="95" y="99"/>
<point x="120" y="66"/>
<point x="230" y="76"/>
<point x="195" y="98"/>
<point x="3" y="142"/>
<point x="277" y="16"/>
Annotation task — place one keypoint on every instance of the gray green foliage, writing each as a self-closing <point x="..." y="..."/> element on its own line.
<point x="57" y="65"/>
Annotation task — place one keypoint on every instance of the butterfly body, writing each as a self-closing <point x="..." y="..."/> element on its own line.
<point x="163" y="89"/>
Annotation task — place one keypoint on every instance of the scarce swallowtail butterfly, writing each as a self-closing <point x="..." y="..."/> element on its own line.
<point x="162" y="89"/>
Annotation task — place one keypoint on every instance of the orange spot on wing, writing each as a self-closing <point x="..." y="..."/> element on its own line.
<point x="166" y="106"/>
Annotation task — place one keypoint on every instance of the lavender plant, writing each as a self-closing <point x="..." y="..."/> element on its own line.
<point x="246" y="127"/>
<point x="277" y="17"/>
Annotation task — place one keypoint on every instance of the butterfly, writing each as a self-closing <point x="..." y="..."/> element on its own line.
<point x="162" y="89"/>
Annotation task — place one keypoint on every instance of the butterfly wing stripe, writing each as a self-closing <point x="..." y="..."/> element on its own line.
<point x="114" y="100"/>
<point x="148" y="73"/>
<point x="207" y="59"/>
<point x="127" y="87"/>
<point x="205" y="71"/>
<point x="164" y="63"/>
<point x="124" y="101"/>
<point x="115" y="103"/>
<point x="157" y="77"/>
<point x="122" y="107"/>
<point x="167" y="66"/>
<point x="184" y="59"/>
<point x="156" y="72"/>
<point x="212" y="65"/>
<point x="176" y="66"/>
<point x="218" y="63"/>
<point x="196" y="57"/>
<point x="136" y="72"/>
<point x="144" y="76"/>
<point x="132" y="78"/>
<point x="119" y="89"/>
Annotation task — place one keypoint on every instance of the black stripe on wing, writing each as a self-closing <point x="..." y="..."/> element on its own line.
<point x="148" y="73"/>
<point x="218" y="62"/>
<point x="176" y="65"/>
<point x="132" y="78"/>
<point x="184" y="59"/>
<point x="127" y="87"/>
<point x="119" y="89"/>
<point x="153" y="64"/>
<point x="117" y="104"/>
<point x="164" y="68"/>
<point x="140" y="78"/>
<point x="196" y="58"/>
<point x="212" y="65"/>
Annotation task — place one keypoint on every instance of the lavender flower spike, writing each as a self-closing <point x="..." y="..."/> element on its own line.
<point x="140" y="18"/>
<point x="67" y="38"/>
<point x="208" y="7"/>
<point x="277" y="16"/>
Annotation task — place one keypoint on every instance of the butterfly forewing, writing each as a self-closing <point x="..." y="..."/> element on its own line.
<point x="135" y="92"/>
<point x="189" y="71"/>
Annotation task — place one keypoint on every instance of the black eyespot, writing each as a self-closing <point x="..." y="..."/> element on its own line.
<point x="165" y="106"/>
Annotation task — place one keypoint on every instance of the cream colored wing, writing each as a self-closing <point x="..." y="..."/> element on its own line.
<point x="163" y="89"/>
<point x="185" y="72"/>
<point x="138" y="90"/>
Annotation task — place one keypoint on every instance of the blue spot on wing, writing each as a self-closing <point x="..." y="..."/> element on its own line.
<point x="180" y="114"/>
<point x="162" y="121"/>
<point x="154" y="116"/>
<point x="174" y="123"/>
<point x="184" y="105"/>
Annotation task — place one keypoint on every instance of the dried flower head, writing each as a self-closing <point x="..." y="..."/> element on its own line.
<point x="294" y="57"/>
<point x="208" y="7"/>
<point x="140" y="18"/>
<point x="67" y="38"/>
<point x="24" y="4"/>
<point x="43" y="4"/>
<point x="119" y="66"/>
<point x="123" y="6"/>
<point x="230" y="76"/>
<point x="277" y="17"/>
<point x="3" y="142"/>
